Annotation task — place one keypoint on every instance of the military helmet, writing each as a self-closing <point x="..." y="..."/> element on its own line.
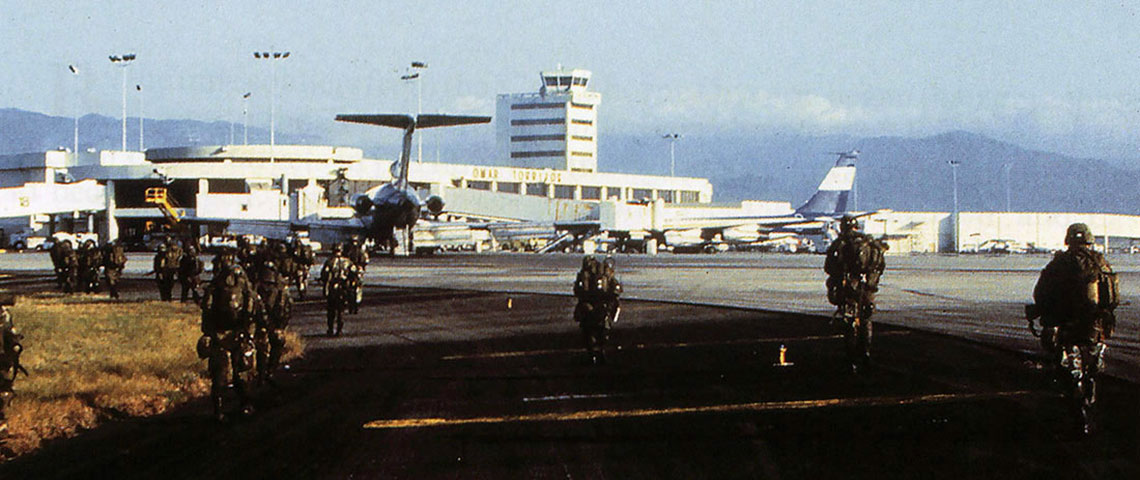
<point x="162" y="247"/>
<point x="203" y="346"/>
<point x="848" y="223"/>
<point x="1078" y="234"/>
<point x="337" y="248"/>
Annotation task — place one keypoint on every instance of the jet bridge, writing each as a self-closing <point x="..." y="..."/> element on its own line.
<point x="51" y="198"/>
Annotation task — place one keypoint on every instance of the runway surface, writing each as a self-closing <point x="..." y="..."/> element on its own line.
<point x="470" y="367"/>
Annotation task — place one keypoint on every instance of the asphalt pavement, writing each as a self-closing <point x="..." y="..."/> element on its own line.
<point x="470" y="367"/>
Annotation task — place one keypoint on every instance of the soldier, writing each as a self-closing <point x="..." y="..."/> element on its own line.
<point x="67" y="270"/>
<point x="248" y="256"/>
<point x="114" y="260"/>
<point x="304" y="259"/>
<point x="336" y="276"/>
<point x="359" y="257"/>
<point x="165" y="269"/>
<point x="10" y="349"/>
<point x="57" y="261"/>
<point x="277" y="307"/>
<point x="90" y="259"/>
<point x="854" y="265"/>
<point x="228" y="309"/>
<point x="190" y="272"/>
<point x="1076" y="296"/>
<point x="597" y="290"/>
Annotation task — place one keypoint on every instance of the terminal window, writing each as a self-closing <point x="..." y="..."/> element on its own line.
<point x="581" y="154"/>
<point x="666" y="195"/>
<point x="508" y="187"/>
<point x="564" y="191"/>
<point x="539" y="121"/>
<point x="537" y="189"/>
<point x="533" y="106"/>
<point x="640" y="193"/>
<point x="591" y="193"/>
<point x="478" y="185"/>
<point x="688" y="196"/>
<point x="613" y="192"/>
<point x="579" y="121"/>
<point x="543" y="153"/>
<point x="535" y="138"/>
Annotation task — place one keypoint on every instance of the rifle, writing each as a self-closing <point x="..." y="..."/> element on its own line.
<point x="1033" y="312"/>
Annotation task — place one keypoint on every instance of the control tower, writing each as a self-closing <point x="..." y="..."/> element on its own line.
<point x="556" y="128"/>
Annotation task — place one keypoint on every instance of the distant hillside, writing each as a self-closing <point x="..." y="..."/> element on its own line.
<point x="22" y="131"/>
<point x="896" y="173"/>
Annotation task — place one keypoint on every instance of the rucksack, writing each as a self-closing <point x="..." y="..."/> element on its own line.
<point x="859" y="255"/>
<point x="227" y="303"/>
<point x="118" y="257"/>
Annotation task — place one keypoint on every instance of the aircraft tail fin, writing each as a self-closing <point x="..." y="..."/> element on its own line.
<point x="835" y="190"/>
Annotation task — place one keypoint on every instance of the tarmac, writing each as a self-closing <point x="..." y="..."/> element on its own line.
<point x="469" y="366"/>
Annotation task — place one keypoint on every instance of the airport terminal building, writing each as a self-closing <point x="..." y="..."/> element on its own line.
<point x="550" y="138"/>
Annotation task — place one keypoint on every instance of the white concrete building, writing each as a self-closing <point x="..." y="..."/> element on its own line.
<point x="555" y="128"/>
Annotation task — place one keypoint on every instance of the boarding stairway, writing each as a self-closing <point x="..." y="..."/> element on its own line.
<point x="169" y="209"/>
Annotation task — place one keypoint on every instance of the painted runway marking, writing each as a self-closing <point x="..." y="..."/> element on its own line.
<point x="642" y="346"/>
<point x="555" y="398"/>
<point x="736" y="407"/>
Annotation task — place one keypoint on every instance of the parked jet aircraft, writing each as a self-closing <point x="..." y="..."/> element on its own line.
<point x="815" y="216"/>
<point x="394" y="205"/>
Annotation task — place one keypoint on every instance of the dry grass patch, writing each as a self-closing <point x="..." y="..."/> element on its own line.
<point x="92" y="358"/>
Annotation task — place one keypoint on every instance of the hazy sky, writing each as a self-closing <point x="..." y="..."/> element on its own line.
<point x="1053" y="75"/>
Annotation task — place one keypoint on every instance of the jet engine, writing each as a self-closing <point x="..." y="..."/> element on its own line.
<point x="361" y="204"/>
<point x="434" y="205"/>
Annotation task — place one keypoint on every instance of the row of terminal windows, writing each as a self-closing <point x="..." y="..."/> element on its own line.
<point x="543" y="153"/>
<point x="535" y="138"/>
<point x="539" y="121"/>
<point x="535" y="106"/>
<point x="588" y="192"/>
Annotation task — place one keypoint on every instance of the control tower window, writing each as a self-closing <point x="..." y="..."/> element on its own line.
<point x="478" y="185"/>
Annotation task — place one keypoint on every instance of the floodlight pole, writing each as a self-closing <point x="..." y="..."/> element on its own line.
<point x="954" y="171"/>
<point x="124" y="61"/>
<point x="672" y="138"/>
<point x="274" y="57"/>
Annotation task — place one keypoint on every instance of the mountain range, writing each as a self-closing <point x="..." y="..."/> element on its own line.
<point x="894" y="172"/>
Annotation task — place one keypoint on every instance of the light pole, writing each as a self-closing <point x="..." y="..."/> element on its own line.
<point x="124" y="61"/>
<point x="274" y="57"/>
<point x="1007" y="168"/>
<point x="954" y="170"/>
<point x="418" y="67"/>
<point x="75" y="146"/>
<point x="138" y="88"/>
<point x="245" y="118"/>
<point x="672" y="138"/>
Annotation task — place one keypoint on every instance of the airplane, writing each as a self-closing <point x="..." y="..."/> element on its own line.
<point x="817" y="216"/>
<point x="395" y="205"/>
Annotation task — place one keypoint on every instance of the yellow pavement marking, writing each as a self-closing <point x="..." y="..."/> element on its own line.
<point x="642" y="346"/>
<point x="735" y="407"/>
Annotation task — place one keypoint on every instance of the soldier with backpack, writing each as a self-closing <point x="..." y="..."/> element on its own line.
<point x="90" y="259"/>
<point x="10" y="349"/>
<point x="166" y="262"/>
<point x="114" y="261"/>
<point x="337" y="276"/>
<point x="229" y="307"/>
<point x="277" y="307"/>
<point x="597" y="290"/>
<point x="303" y="259"/>
<point x="1075" y="297"/>
<point x="854" y="265"/>
<point x="190" y="273"/>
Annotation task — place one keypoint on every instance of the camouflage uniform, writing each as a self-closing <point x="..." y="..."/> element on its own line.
<point x="277" y="307"/>
<point x="228" y="310"/>
<point x="597" y="290"/>
<point x="854" y="265"/>
<point x="90" y="259"/>
<point x="337" y="277"/>
<point x="114" y="260"/>
<point x="359" y="257"/>
<point x="1077" y="293"/>
<point x="66" y="266"/>
<point x="190" y="273"/>
<point x="10" y="349"/>
<point x="303" y="260"/>
<point x="165" y="269"/>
